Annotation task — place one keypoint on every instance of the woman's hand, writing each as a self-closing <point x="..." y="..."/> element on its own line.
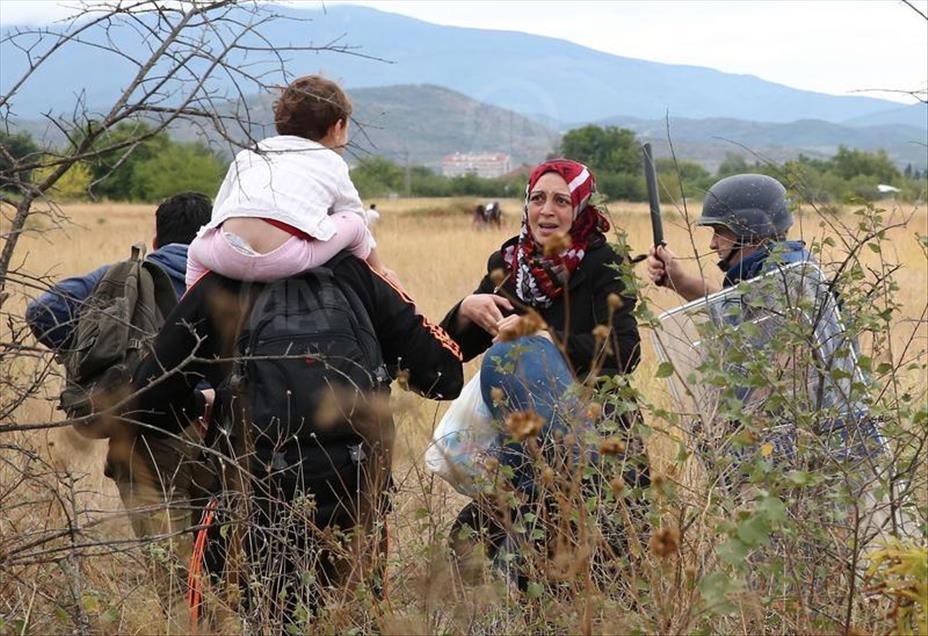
<point x="510" y="325"/>
<point x="484" y="310"/>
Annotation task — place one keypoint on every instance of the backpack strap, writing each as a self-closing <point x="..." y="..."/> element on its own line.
<point x="137" y="252"/>
<point x="375" y="359"/>
<point x="165" y="295"/>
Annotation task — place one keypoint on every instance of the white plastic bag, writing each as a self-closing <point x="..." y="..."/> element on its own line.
<point x="463" y="440"/>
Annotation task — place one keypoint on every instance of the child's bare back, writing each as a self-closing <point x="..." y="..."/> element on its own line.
<point x="260" y="235"/>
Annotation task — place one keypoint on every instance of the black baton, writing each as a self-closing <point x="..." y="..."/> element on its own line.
<point x="654" y="199"/>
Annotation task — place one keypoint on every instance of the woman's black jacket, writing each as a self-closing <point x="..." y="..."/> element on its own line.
<point x="574" y="314"/>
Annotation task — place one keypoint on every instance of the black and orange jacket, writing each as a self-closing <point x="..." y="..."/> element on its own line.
<point x="197" y="342"/>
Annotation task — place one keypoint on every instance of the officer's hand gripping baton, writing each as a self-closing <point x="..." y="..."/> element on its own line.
<point x="654" y="199"/>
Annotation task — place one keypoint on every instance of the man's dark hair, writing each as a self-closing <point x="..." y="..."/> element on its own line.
<point x="310" y="106"/>
<point x="179" y="217"/>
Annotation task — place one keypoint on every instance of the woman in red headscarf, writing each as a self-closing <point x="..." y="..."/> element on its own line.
<point x="559" y="268"/>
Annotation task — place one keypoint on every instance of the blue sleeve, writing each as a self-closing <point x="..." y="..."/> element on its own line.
<point x="50" y="316"/>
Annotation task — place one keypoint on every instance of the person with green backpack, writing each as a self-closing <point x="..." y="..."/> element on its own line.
<point x="52" y="316"/>
<point x="100" y="325"/>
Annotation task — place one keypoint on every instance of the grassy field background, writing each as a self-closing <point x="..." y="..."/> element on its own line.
<point x="440" y="258"/>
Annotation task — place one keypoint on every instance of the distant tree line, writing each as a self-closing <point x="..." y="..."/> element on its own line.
<point x="615" y="155"/>
<point x="850" y="175"/>
<point x="148" y="171"/>
<point x="160" y="167"/>
<point x="377" y="176"/>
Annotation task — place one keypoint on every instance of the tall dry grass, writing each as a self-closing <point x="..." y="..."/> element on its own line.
<point x="440" y="259"/>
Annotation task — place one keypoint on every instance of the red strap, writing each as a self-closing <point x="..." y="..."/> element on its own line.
<point x="194" y="595"/>
<point x="289" y="229"/>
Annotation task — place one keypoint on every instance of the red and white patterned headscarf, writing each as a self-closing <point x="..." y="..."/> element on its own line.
<point x="539" y="279"/>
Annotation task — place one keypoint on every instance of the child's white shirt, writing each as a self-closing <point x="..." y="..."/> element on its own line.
<point x="289" y="179"/>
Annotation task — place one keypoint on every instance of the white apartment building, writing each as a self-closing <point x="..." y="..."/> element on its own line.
<point x="487" y="165"/>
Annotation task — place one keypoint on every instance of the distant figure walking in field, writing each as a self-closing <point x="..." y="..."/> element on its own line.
<point x="553" y="287"/>
<point x="289" y="205"/>
<point x="486" y="215"/>
<point x="373" y="216"/>
<point x="478" y="219"/>
<point x="493" y="215"/>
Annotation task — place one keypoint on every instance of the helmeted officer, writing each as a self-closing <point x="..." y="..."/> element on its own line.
<point x="750" y="216"/>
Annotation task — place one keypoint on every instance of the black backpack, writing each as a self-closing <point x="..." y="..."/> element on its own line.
<point x="115" y="327"/>
<point x="308" y="364"/>
<point x="307" y="346"/>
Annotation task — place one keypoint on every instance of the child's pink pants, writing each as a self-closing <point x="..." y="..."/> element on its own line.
<point x="226" y="254"/>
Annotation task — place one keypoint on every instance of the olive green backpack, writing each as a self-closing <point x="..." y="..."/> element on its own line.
<point x="115" y="327"/>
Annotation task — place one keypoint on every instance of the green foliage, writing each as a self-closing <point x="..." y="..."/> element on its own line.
<point x="787" y="534"/>
<point x="628" y="186"/>
<point x="664" y="370"/>
<point x="377" y="176"/>
<point x="134" y="164"/>
<point x="851" y="176"/>
<point x="176" y="168"/>
<point x="901" y="567"/>
<point x="113" y="171"/>
<point x="19" y="147"/>
<point x="499" y="187"/>
<point x="73" y="185"/>
<point x="146" y="166"/>
<point x="848" y="163"/>
<point x="613" y="154"/>
<point x="733" y="164"/>
<point x="426" y="183"/>
<point x="607" y="150"/>
<point x="682" y="178"/>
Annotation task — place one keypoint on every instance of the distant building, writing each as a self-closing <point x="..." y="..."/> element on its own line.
<point x="487" y="165"/>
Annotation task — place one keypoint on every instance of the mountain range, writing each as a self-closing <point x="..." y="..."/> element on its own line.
<point x="423" y="90"/>
<point x="428" y="122"/>
<point x="422" y="123"/>
<point x="548" y="78"/>
<point x="709" y="140"/>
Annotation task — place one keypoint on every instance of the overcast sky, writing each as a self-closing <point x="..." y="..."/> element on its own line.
<point x="831" y="46"/>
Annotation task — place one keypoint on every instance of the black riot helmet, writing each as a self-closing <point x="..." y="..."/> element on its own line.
<point x="752" y="206"/>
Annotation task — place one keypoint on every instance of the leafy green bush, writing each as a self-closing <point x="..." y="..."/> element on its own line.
<point x="19" y="148"/>
<point x="74" y="184"/>
<point x="176" y="168"/>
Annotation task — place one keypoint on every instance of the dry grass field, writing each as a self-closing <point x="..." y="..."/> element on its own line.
<point x="439" y="258"/>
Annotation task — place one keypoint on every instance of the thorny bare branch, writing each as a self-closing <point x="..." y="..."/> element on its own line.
<point x="909" y="4"/>
<point x="197" y="47"/>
